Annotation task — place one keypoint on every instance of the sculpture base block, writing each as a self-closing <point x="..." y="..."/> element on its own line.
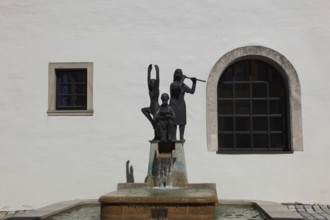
<point x="166" y="151"/>
<point x="140" y="201"/>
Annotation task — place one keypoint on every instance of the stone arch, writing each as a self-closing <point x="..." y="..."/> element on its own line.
<point x="285" y="68"/>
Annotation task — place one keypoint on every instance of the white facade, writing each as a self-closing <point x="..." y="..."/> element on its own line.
<point x="46" y="159"/>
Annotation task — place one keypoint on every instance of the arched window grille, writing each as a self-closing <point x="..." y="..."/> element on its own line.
<point x="252" y="109"/>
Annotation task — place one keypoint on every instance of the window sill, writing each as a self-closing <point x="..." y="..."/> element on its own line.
<point x="71" y="113"/>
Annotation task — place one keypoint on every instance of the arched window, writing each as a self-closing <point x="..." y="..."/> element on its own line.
<point x="253" y="103"/>
<point x="252" y="109"/>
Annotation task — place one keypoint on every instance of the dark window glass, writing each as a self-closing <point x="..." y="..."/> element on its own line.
<point x="240" y="71"/>
<point x="226" y="140"/>
<point x="71" y="89"/>
<point x="226" y="90"/>
<point x="80" y="89"/>
<point x="252" y="109"/>
<point x="259" y="90"/>
<point x="65" y="89"/>
<point x="242" y="123"/>
<point x="225" y="107"/>
<point x="225" y="124"/>
<point x="276" y="90"/>
<point x="259" y="106"/>
<point x="242" y="106"/>
<point x="276" y="123"/>
<point x="276" y="140"/>
<point x="275" y="107"/>
<point x="260" y="140"/>
<point x="242" y="90"/>
<point x="227" y="76"/>
<point x="260" y="71"/>
<point x="260" y="124"/>
<point x="243" y="140"/>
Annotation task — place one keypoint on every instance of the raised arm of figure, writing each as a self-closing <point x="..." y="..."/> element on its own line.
<point x="193" y="88"/>
<point x="157" y="76"/>
<point x="149" y="73"/>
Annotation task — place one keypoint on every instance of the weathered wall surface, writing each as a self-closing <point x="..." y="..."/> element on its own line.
<point x="47" y="159"/>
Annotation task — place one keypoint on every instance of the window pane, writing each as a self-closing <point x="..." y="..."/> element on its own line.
<point x="226" y="140"/>
<point x="80" y="101"/>
<point x="274" y="76"/>
<point x="260" y="140"/>
<point x="225" y="124"/>
<point x="260" y="71"/>
<point x="259" y="106"/>
<point x="64" y="101"/>
<point x="276" y="123"/>
<point x="242" y="124"/>
<point x="80" y="76"/>
<point x="242" y="71"/>
<point x="242" y="90"/>
<point x="65" y="89"/>
<point x="275" y="107"/>
<point x="260" y="124"/>
<point x="276" y="90"/>
<point x="225" y="90"/>
<point x="259" y="90"/>
<point x="263" y="71"/>
<point x="80" y="89"/>
<point x="227" y="75"/>
<point x="276" y="140"/>
<point x="254" y="71"/>
<point x="243" y="140"/>
<point x="63" y="76"/>
<point x="225" y="107"/>
<point x="242" y="106"/>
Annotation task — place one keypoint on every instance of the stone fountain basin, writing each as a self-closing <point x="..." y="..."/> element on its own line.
<point x="142" y="193"/>
<point x="141" y="201"/>
<point x="272" y="210"/>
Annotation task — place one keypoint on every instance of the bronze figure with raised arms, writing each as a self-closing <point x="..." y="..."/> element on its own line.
<point x="153" y="87"/>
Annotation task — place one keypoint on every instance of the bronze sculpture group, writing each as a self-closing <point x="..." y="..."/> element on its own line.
<point x="165" y="118"/>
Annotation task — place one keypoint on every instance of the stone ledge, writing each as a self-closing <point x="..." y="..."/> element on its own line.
<point x="141" y="201"/>
<point x="52" y="209"/>
<point x="141" y="193"/>
<point x="271" y="209"/>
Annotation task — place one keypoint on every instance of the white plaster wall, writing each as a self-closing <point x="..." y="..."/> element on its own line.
<point x="47" y="159"/>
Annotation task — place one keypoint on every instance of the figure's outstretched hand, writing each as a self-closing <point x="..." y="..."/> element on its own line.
<point x="149" y="68"/>
<point x="193" y="79"/>
<point x="127" y="162"/>
<point x="157" y="69"/>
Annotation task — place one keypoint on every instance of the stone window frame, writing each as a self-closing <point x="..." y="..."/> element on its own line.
<point x="282" y="65"/>
<point x="52" y="111"/>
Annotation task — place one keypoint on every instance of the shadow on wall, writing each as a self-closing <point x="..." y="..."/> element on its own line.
<point x="129" y="173"/>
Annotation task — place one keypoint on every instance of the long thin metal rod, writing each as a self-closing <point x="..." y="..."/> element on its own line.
<point x="197" y="79"/>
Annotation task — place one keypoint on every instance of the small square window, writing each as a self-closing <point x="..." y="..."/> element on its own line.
<point x="70" y="89"/>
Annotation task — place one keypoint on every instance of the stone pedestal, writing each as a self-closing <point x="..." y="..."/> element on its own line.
<point x="174" y="152"/>
<point x="140" y="201"/>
